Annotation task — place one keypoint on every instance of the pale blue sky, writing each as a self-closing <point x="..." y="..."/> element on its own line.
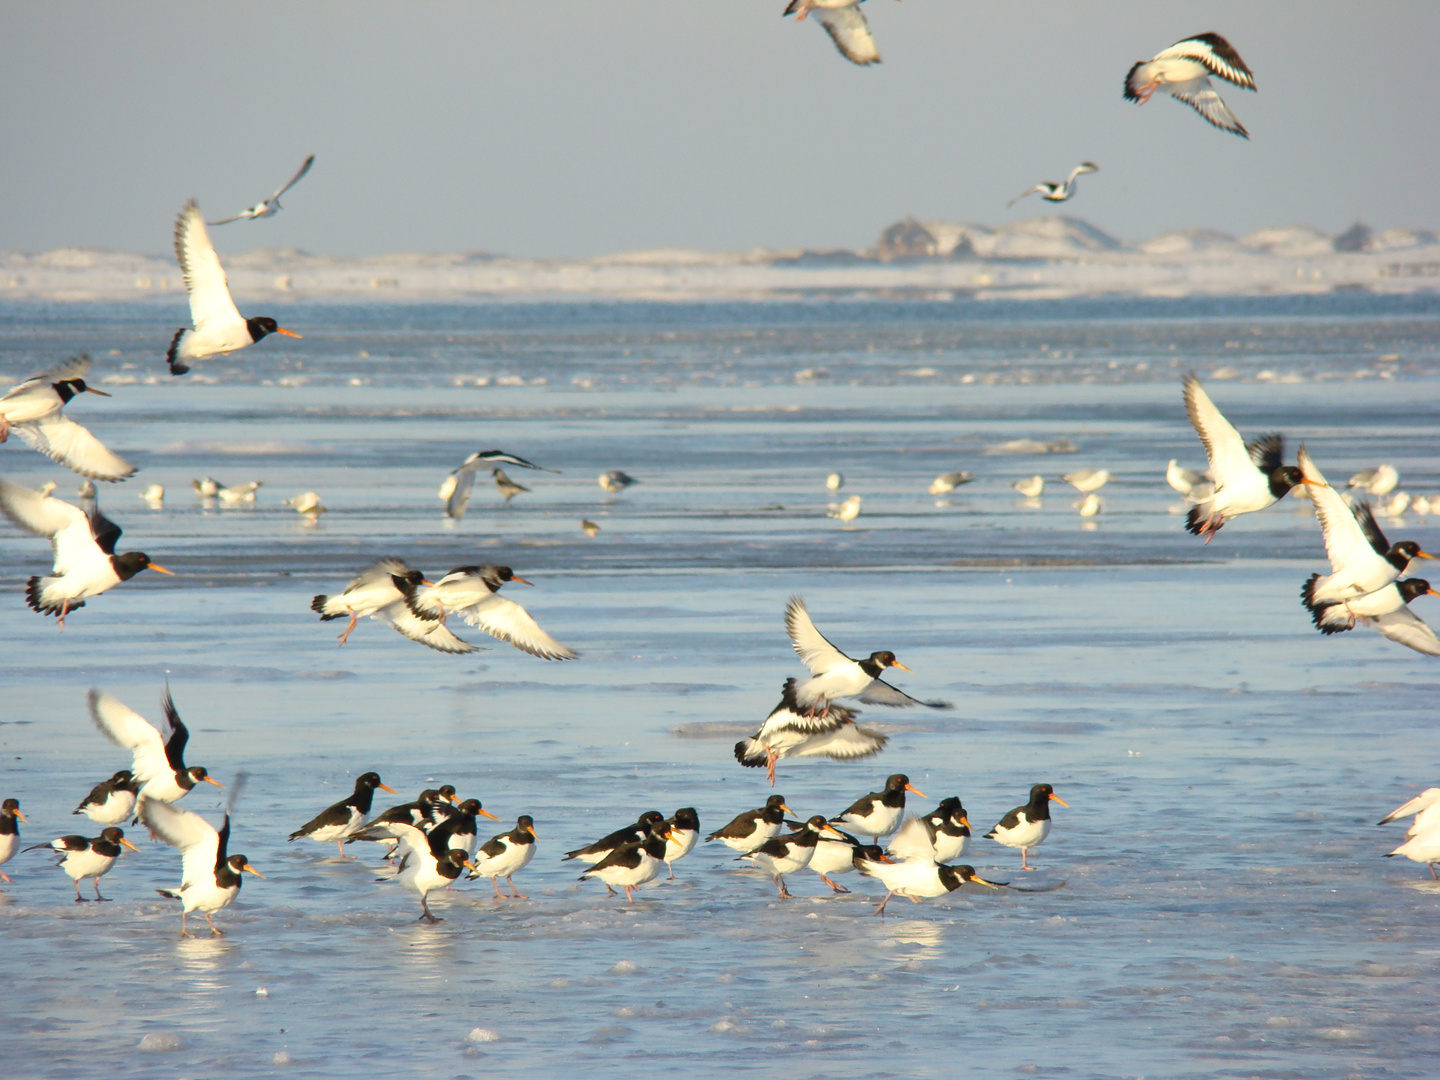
<point x="578" y="128"/>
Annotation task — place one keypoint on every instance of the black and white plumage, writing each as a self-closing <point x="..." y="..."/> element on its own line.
<point x="749" y="830"/>
<point x="922" y="879"/>
<point x="1386" y="610"/>
<point x="84" y="547"/>
<point x="835" y="675"/>
<point x="878" y="813"/>
<point x="373" y="590"/>
<point x="1052" y="192"/>
<point x="1362" y="560"/>
<point x="456" y="488"/>
<point x="346" y="817"/>
<point x="845" y="23"/>
<point x="429" y="809"/>
<point x="10" y="817"/>
<point x="427" y="863"/>
<point x="218" y="328"/>
<point x="682" y="834"/>
<point x="1247" y="476"/>
<point x="834" y="855"/>
<point x="111" y="801"/>
<point x="459" y="830"/>
<point x="616" y="481"/>
<point x="1183" y="71"/>
<point x="210" y="877"/>
<point x="158" y="757"/>
<point x="942" y="836"/>
<point x="32" y="410"/>
<point x="793" y="730"/>
<point x="1027" y="826"/>
<point x="634" y="862"/>
<point x="472" y="592"/>
<point x="596" y="852"/>
<point x="271" y="206"/>
<point x="781" y="855"/>
<point x="88" y="857"/>
<point x="507" y="853"/>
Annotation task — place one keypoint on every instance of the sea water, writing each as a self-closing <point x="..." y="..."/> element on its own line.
<point x="1212" y="903"/>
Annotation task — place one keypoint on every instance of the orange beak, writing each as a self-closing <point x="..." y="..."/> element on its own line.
<point x="1062" y="802"/>
<point x="836" y="831"/>
<point x="287" y="333"/>
<point x="92" y="390"/>
<point x="521" y="580"/>
<point x="153" y="566"/>
<point x="1313" y="483"/>
<point x="487" y="813"/>
<point x="252" y="870"/>
<point x="533" y="834"/>
<point x="22" y="817"/>
<point x="212" y="780"/>
<point x="387" y="787"/>
<point x="916" y="791"/>
<point x="1431" y="592"/>
<point x="788" y="810"/>
<point x="128" y="844"/>
<point x="1423" y="555"/>
<point x="902" y="667"/>
<point x="964" y="820"/>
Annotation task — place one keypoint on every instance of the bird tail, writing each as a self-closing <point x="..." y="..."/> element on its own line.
<point x="750" y="753"/>
<point x="170" y="893"/>
<point x="36" y="598"/>
<point x="318" y="604"/>
<point x="1332" y="618"/>
<point x="990" y="835"/>
<point x="1201" y="521"/>
<point x="172" y="354"/>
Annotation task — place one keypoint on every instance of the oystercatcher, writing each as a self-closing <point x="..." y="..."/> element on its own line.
<point x="507" y="853"/>
<point x="634" y="862"/>
<point x="219" y="326"/>
<point x="10" y="816"/>
<point x="346" y="817"/>
<point x="596" y="852"/>
<point x="1027" y="826"/>
<point x="1183" y="72"/>
<point x="845" y="23"/>
<point x="209" y="877"/>
<point x="84" y="546"/>
<point x="1052" y="192"/>
<point x="781" y="855"/>
<point x="111" y="801"/>
<point x="88" y="857"/>
<point x="878" y="813"/>
<point x="32" y="411"/>
<point x="158" y="766"/>
<point x="683" y="833"/>
<point x="919" y="879"/>
<point x="472" y="593"/>
<point x="1247" y="476"/>
<point x="427" y="864"/>
<point x="1387" y="610"/>
<point x="455" y="489"/>
<point x="749" y="830"/>
<point x="792" y="730"/>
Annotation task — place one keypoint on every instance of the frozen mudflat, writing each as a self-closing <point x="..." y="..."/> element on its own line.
<point x="1213" y="904"/>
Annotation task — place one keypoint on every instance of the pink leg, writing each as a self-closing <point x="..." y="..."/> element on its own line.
<point x="64" y="607"/>
<point x="1024" y="865"/>
<point x="629" y="895"/>
<point x="784" y="892"/>
<point x="671" y="868"/>
<point x="215" y="931"/>
<point x="353" y="620"/>
<point x="183" y="932"/>
<point x="96" y="883"/>
<point x="835" y="887"/>
<point x="495" y="881"/>
<point x="78" y="898"/>
<point x="517" y="895"/>
<point x="4" y="429"/>
<point x="881" y="909"/>
<point x="770" y="758"/>
<point x="5" y="878"/>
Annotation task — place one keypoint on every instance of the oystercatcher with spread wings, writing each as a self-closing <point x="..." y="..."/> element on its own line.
<point x="793" y="731"/>
<point x="1362" y="560"/>
<point x="32" y="411"/>
<point x="210" y="878"/>
<point x="84" y="545"/>
<point x="835" y="675"/>
<point x="1388" y="611"/>
<point x="472" y="592"/>
<point x="158" y="767"/>
<point x="219" y="326"/>
<point x="1247" y="476"/>
<point x="1183" y="71"/>
<point x="845" y="23"/>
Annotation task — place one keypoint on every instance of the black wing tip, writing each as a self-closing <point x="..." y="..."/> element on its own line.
<point x="1193" y="524"/>
<point x="745" y="757"/>
<point x="34" y="587"/>
<point x="318" y="604"/>
<point x="1307" y="594"/>
<point x="1130" y="94"/>
<point x="170" y="894"/>
<point x="177" y="366"/>
<point x="1318" y="615"/>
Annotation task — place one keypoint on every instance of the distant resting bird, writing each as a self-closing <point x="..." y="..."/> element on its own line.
<point x="84" y="545"/>
<point x="1247" y="476"/>
<point x="1362" y="560"/>
<point x="616" y="481"/>
<point x="219" y="326"/>
<point x="1380" y="480"/>
<point x="32" y="411"/>
<point x="948" y="482"/>
<point x="240" y="492"/>
<point x="1052" y="192"/>
<point x="835" y="481"/>
<point x="271" y="206"/>
<point x="1087" y="480"/>
<point x="1030" y="488"/>
<point x="1183" y="71"/>
<point x="1388" y="611"/>
<point x="846" y="511"/>
<point x="455" y="489"/>
<point x="307" y="502"/>
<point x="845" y="23"/>
<point x="1183" y="480"/>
